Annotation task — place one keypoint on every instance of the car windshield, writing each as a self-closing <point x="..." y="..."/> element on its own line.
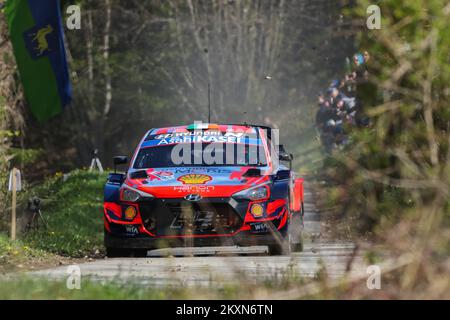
<point x="200" y="154"/>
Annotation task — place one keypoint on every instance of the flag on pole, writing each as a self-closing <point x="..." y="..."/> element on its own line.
<point x="37" y="36"/>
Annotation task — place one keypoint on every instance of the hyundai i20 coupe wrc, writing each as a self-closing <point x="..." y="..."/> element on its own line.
<point x="204" y="185"/>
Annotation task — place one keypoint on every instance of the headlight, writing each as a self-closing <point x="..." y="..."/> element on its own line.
<point x="258" y="193"/>
<point x="129" y="194"/>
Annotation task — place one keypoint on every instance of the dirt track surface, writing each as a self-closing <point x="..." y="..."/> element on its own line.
<point x="211" y="266"/>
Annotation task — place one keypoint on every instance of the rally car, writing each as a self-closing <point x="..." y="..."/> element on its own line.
<point x="204" y="185"/>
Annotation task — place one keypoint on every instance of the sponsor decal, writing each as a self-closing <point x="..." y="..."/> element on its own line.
<point x="201" y="170"/>
<point x="257" y="210"/>
<point x="238" y="174"/>
<point x="194" y="189"/>
<point x="201" y="139"/>
<point x="131" y="229"/>
<point x="194" y="178"/>
<point x="259" y="227"/>
<point x="198" y="134"/>
<point x="161" y="175"/>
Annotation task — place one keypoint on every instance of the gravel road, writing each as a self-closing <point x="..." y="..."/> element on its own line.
<point x="211" y="266"/>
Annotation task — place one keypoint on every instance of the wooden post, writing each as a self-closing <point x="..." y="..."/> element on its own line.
<point x="14" y="204"/>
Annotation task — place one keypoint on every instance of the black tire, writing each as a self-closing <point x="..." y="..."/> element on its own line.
<point x="296" y="232"/>
<point x="297" y="247"/>
<point x="116" y="253"/>
<point x="126" y="253"/>
<point x="283" y="245"/>
<point x="275" y="250"/>
<point x="280" y="249"/>
<point x="139" y="253"/>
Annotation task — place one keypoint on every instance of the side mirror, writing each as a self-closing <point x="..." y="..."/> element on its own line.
<point x="286" y="157"/>
<point x="116" y="178"/>
<point x="283" y="175"/>
<point x="283" y="155"/>
<point x="118" y="160"/>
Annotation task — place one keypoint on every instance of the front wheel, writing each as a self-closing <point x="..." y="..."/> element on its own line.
<point x="115" y="253"/>
<point x="125" y="253"/>
<point x="283" y="247"/>
<point x="297" y="247"/>
<point x="296" y="233"/>
<point x="279" y="249"/>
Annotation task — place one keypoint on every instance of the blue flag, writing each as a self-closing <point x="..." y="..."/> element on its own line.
<point x="37" y="35"/>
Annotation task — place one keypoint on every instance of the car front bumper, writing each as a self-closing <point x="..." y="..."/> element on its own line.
<point x="243" y="239"/>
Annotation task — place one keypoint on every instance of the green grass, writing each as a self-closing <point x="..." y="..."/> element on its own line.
<point x="27" y="288"/>
<point x="72" y="211"/>
<point x="34" y="288"/>
<point x="15" y="254"/>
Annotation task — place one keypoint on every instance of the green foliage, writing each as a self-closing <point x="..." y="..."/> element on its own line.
<point x="15" y="253"/>
<point x="32" y="289"/>
<point x="72" y="210"/>
<point x="159" y="71"/>
<point x="393" y="180"/>
<point x="26" y="156"/>
<point x="384" y="171"/>
<point x="25" y="287"/>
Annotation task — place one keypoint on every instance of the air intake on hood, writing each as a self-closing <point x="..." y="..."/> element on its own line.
<point x="253" y="173"/>
<point x="141" y="174"/>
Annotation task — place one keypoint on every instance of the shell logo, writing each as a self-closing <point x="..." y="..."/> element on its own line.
<point x="194" y="179"/>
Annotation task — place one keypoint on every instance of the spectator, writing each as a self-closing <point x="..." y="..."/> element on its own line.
<point x="335" y="84"/>
<point x="324" y="113"/>
<point x="334" y="95"/>
<point x="358" y="67"/>
<point x="340" y="108"/>
<point x="367" y="63"/>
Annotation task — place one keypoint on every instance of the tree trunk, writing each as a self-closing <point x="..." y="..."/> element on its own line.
<point x="103" y="118"/>
<point x="11" y="110"/>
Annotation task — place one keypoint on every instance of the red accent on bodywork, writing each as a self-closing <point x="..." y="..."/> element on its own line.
<point x="162" y="131"/>
<point x="284" y="221"/>
<point x="298" y="195"/>
<point x="272" y="206"/>
<point x="243" y="228"/>
<point x="150" y="176"/>
<point x="238" y="174"/>
<point x="114" y="208"/>
<point x="117" y="210"/>
<point x="106" y="224"/>
<point x="206" y="191"/>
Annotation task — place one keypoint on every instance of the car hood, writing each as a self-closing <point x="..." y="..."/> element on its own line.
<point x="206" y="181"/>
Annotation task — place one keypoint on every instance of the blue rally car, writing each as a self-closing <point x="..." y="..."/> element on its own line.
<point x="204" y="185"/>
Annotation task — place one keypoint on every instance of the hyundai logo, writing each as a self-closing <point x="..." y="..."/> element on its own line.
<point x="193" y="197"/>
